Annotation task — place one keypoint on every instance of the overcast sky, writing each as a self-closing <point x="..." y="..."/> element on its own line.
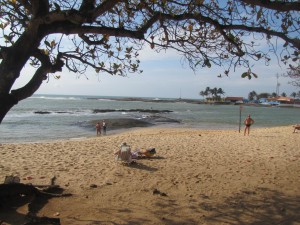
<point x="165" y="77"/>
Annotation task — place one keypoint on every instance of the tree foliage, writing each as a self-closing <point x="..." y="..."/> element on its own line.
<point x="294" y="74"/>
<point x="107" y="36"/>
<point x="252" y="96"/>
<point x="213" y="93"/>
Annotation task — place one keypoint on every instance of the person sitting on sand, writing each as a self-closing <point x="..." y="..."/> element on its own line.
<point x="124" y="154"/>
<point x="296" y="127"/>
<point x="248" y="122"/>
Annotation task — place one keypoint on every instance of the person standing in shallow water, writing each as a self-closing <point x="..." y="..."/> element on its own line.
<point x="248" y="122"/>
<point x="104" y="126"/>
<point x="98" y="128"/>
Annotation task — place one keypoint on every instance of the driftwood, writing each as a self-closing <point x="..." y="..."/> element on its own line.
<point x="13" y="193"/>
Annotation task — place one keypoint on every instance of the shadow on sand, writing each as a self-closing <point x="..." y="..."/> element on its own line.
<point x="259" y="207"/>
<point x="34" y="202"/>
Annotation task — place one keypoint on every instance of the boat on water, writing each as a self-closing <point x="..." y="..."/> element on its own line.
<point x="280" y="101"/>
<point x="279" y="104"/>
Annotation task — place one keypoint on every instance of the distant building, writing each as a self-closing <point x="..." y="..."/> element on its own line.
<point x="279" y="101"/>
<point x="285" y="100"/>
<point x="234" y="100"/>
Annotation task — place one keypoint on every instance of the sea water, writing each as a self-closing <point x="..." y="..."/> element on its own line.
<point x="65" y="117"/>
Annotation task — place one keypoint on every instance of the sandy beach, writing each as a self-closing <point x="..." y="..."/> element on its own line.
<point x="196" y="177"/>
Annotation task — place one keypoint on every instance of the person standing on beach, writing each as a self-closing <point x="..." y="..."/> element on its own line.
<point x="104" y="126"/>
<point x="248" y="122"/>
<point x="98" y="128"/>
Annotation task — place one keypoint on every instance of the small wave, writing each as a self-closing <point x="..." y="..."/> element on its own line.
<point x="73" y="112"/>
<point x="106" y="100"/>
<point x="46" y="113"/>
<point x="19" y="115"/>
<point x="55" y="98"/>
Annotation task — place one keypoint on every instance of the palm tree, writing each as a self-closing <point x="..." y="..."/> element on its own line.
<point x="220" y="91"/>
<point x="214" y="93"/>
<point x="207" y="91"/>
<point x="202" y="93"/>
<point x="263" y="95"/>
<point x="283" y="94"/>
<point x="274" y="95"/>
<point x="252" y="95"/>
<point x="294" y="94"/>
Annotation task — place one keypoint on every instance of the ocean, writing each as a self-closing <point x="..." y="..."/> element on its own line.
<point x="53" y="117"/>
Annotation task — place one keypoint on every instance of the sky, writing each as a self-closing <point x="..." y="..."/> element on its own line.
<point x="164" y="76"/>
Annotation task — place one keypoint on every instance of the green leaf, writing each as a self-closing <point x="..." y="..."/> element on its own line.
<point x="199" y="2"/>
<point x="255" y="75"/>
<point x="207" y="63"/>
<point x="258" y="55"/>
<point x="53" y="44"/>
<point x="128" y="50"/>
<point x="259" y="14"/>
<point x="244" y="75"/>
<point x="47" y="43"/>
<point x="231" y="36"/>
<point x="57" y="7"/>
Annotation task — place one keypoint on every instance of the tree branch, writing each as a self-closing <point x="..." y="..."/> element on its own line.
<point x="87" y="63"/>
<point x="294" y="41"/>
<point x="74" y="29"/>
<point x="199" y="17"/>
<point x="40" y="75"/>
<point x="104" y="7"/>
<point x="275" y="5"/>
<point x="39" y="7"/>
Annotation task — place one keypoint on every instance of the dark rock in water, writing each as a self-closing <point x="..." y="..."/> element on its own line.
<point x="42" y="112"/>
<point x="62" y="112"/>
<point x="120" y="123"/>
<point x="160" y="119"/>
<point x="125" y="123"/>
<point x="131" y="110"/>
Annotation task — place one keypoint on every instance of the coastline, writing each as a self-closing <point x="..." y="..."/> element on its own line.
<point x="197" y="177"/>
<point x="61" y="117"/>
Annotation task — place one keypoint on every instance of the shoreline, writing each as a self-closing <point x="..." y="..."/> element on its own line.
<point x="197" y="177"/>
<point x="130" y="129"/>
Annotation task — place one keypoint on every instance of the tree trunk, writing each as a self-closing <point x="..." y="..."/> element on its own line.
<point x="6" y="103"/>
<point x="13" y="61"/>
